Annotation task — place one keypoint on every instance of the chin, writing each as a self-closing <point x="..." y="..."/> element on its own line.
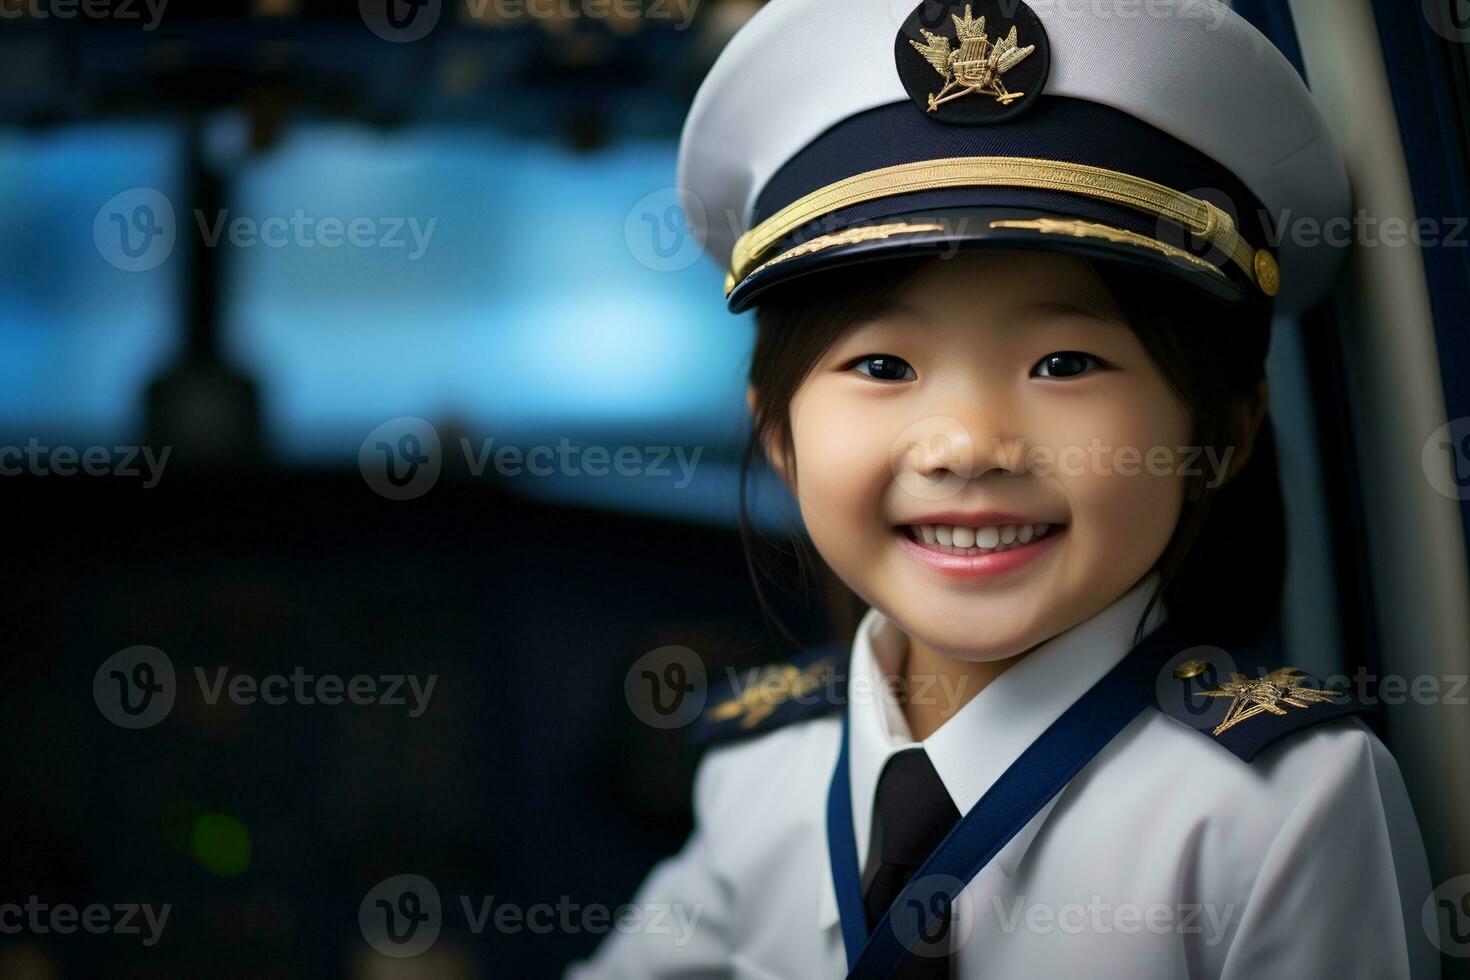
<point x="1001" y="648"/>
<point x="977" y="640"/>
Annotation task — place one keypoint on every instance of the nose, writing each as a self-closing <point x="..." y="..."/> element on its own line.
<point x="944" y="446"/>
<point x="969" y="440"/>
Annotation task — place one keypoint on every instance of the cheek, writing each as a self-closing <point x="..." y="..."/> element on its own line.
<point x="1127" y="493"/>
<point x="842" y="469"/>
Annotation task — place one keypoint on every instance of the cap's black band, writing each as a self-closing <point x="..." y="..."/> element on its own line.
<point x="1055" y="128"/>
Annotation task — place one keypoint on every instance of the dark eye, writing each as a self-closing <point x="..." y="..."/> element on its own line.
<point x="1064" y="364"/>
<point x="884" y="367"/>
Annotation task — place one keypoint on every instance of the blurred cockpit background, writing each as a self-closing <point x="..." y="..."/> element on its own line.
<point x="245" y="245"/>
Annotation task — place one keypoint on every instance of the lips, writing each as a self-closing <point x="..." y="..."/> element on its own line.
<point x="979" y="544"/>
<point x="987" y="539"/>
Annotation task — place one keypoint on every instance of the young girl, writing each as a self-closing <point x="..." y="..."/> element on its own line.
<point x="1010" y="362"/>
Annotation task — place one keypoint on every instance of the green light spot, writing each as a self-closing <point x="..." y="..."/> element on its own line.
<point x="222" y="844"/>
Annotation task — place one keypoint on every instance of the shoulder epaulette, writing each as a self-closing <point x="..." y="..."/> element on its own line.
<point x="1243" y="699"/>
<point x="762" y="699"/>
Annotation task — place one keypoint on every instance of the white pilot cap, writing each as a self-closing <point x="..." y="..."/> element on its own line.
<point x="829" y="132"/>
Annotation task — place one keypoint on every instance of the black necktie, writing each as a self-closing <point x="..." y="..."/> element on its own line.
<point x="912" y="812"/>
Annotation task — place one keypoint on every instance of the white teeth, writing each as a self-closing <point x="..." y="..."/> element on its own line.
<point x="994" y="538"/>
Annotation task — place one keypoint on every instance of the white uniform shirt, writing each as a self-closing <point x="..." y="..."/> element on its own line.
<point x="1167" y="856"/>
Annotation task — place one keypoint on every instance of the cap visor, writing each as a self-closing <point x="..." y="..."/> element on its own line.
<point x="944" y="231"/>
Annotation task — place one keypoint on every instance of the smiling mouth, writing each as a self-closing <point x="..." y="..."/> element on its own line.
<point x="965" y="542"/>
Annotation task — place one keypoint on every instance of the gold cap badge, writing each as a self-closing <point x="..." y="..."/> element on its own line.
<point x="1009" y="67"/>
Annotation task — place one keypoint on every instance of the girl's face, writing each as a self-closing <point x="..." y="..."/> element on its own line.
<point x="990" y="457"/>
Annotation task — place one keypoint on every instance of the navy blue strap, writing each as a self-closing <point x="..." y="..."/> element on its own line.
<point x="842" y="850"/>
<point x="1039" y="774"/>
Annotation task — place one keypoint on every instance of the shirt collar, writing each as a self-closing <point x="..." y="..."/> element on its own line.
<point x="1005" y="717"/>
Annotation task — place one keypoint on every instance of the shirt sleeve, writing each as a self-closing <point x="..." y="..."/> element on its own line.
<point x="1341" y="885"/>
<point x="684" y="908"/>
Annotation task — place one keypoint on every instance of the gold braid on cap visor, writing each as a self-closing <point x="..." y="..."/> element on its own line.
<point x="1201" y="218"/>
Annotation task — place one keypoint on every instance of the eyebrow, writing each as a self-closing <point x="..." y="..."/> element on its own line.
<point x="1079" y="308"/>
<point x="891" y="308"/>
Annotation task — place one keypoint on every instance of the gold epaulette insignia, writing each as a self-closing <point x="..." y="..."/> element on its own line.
<point x="774" y="686"/>
<point x="1253" y="696"/>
